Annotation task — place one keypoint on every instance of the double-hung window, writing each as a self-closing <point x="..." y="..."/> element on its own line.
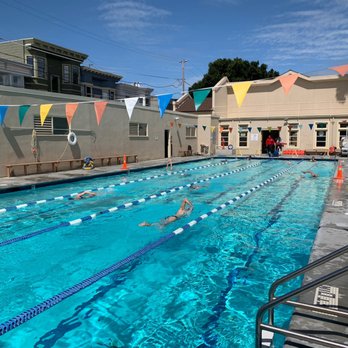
<point x="243" y="135"/>
<point x="321" y="131"/>
<point x="66" y="73"/>
<point x="293" y="134"/>
<point x="190" y="131"/>
<point x="138" y="129"/>
<point x="224" y="135"/>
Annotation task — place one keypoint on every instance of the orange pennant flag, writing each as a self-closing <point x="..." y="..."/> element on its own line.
<point x="44" y="110"/>
<point x="240" y="89"/>
<point x="99" y="108"/>
<point x="70" y="109"/>
<point x="342" y="69"/>
<point x="287" y="81"/>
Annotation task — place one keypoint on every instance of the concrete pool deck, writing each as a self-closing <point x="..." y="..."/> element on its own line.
<point x="332" y="234"/>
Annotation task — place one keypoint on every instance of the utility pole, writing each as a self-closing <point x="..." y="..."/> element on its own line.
<point x="183" y="61"/>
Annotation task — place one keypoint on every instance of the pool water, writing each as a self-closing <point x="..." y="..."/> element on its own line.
<point x="201" y="288"/>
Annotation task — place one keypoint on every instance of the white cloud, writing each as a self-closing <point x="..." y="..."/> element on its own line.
<point x="320" y="33"/>
<point x="133" y="20"/>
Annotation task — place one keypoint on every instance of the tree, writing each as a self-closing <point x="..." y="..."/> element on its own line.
<point x="235" y="69"/>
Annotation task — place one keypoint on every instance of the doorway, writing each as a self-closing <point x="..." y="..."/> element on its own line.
<point x="55" y="83"/>
<point x="166" y="139"/>
<point x="265" y="133"/>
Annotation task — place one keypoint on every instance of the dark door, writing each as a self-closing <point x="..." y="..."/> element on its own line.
<point x="166" y="137"/>
<point x="55" y="83"/>
<point x="265" y="133"/>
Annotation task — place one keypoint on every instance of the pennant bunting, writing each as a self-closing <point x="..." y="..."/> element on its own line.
<point x="199" y="97"/>
<point x="163" y="101"/>
<point x="99" y="108"/>
<point x="212" y="129"/>
<point x="70" y="109"/>
<point x="21" y="113"/>
<point x="249" y="129"/>
<point x="130" y="104"/>
<point x="230" y="129"/>
<point x="342" y="69"/>
<point x="310" y="125"/>
<point x="204" y="127"/>
<point x="171" y="124"/>
<point x="287" y="81"/>
<point x="259" y="129"/>
<point x="279" y="128"/>
<point x="240" y="89"/>
<point x="196" y="126"/>
<point x="3" y="110"/>
<point x="44" y="110"/>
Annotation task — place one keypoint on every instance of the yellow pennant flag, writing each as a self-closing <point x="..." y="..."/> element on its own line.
<point x="240" y="89"/>
<point x="44" y="110"/>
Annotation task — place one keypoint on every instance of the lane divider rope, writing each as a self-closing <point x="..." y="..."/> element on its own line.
<point x="71" y="195"/>
<point x="49" y="303"/>
<point x="120" y="207"/>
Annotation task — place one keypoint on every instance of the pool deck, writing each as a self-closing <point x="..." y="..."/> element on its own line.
<point x="332" y="235"/>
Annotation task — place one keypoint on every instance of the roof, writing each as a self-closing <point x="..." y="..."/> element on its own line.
<point x="102" y="73"/>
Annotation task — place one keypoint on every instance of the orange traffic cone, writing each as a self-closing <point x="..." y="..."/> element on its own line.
<point x="339" y="174"/>
<point x="124" y="165"/>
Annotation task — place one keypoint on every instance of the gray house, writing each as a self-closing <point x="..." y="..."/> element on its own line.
<point x="55" y="68"/>
<point x="13" y="73"/>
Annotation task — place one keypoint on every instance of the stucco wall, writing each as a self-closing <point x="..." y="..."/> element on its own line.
<point x="110" y="138"/>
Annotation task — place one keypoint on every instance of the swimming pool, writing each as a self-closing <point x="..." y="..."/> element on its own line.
<point x="200" y="288"/>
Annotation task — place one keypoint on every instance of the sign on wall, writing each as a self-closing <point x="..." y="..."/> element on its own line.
<point x="254" y="137"/>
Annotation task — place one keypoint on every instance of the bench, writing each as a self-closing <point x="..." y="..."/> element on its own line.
<point x="316" y="152"/>
<point x="37" y="166"/>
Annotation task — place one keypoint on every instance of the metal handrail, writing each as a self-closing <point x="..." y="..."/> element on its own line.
<point x="283" y="300"/>
<point x="299" y="272"/>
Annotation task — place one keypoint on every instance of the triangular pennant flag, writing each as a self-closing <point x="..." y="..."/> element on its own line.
<point x="269" y="128"/>
<point x="21" y="112"/>
<point x="70" y="110"/>
<point x="240" y="89"/>
<point x="310" y="125"/>
<point x="179" y="124"/>
<point x="212" y="129"/>
<point x="204" y="127"/>
<point x="342" y="69"/>
<point x="3" y="110"/>
<point x="199" y="97"/>
<point x="163" y="101"/>
<point x="171" y="124"/>
<point x="279" y="128"/>
<point x="300" y="126"/>
<point x="287" y="81"/>
<point x="44" y="110"/>
<point x="99" y="108"/>
<point x="289" y="126"/>
<point x="249" y="129"/>
<point x="130" y="104"/>
<point x="230" y="129"/>
<point x="259" y="129"/>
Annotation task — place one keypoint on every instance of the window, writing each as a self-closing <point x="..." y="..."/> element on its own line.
<point x="75" y="74"/>
<point x="190" y="132"/>
<point x="243" y="135"/>
<point x="224" y="135"/>
<point x="111" y="95"/>
<point x="321" y="132"/>
<point x="30" y="60"/>
<point x="343" y="130"/>
<point x="41" y="67"/>
<point x="66" y="73"/>
<point x="138" y="129"/>
<point x="51" y="126"/>
<point x="105" y="94"/>
<point x="293" y="134"/>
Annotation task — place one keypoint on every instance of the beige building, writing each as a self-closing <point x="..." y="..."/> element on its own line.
<point x="313" y="115"/>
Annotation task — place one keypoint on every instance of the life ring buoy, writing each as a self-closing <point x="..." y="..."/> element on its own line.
<point x="230" y="147"/>
<point x="72" y="138"/>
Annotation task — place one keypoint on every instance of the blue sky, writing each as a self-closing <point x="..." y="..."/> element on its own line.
<point x="144" y="40"/>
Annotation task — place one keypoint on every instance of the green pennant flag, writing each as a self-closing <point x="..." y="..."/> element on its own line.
<point x="21" y="112"/>
<point x="204" y="127"/>
<point x="199" y="97"/>
<point x="259" y="129"/>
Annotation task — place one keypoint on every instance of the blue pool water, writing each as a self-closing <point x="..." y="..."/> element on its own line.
<point x="201" y="288"/>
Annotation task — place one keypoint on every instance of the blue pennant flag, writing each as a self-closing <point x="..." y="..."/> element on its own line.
<point x="163" y="101"/>
<point x="3" y="110"/>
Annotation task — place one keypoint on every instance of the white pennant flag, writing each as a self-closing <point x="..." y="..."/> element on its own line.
<point x="130" y="103"/>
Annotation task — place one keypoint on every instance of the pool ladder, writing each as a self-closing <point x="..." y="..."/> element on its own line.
<point x="265" y="332"/>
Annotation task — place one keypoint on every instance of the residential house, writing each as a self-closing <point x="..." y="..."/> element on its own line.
<point x="12" y="73"/>
<point x="55" y="68"/>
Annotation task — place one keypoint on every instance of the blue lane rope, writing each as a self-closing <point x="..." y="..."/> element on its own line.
<point x="120" y="207"/>
<point x="52" y="301"/>
<point x="71" y="195"/>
